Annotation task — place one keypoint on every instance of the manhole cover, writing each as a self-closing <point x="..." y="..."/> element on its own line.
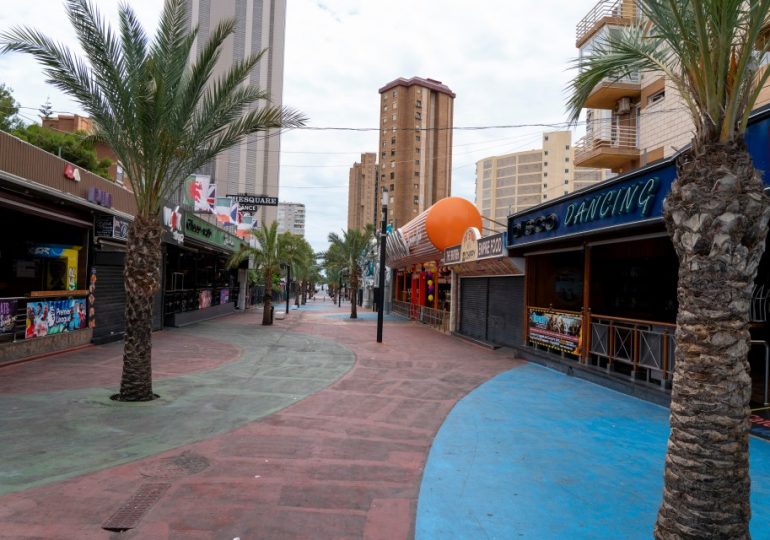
<point x="128" y="515"/>
<point x="183" y="464"/>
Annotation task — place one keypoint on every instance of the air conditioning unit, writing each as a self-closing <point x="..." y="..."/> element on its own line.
<point x="623" y="106"/>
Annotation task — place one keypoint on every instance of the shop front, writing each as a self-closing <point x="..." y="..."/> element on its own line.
<point x="198" y="284"/>
<point x="488" y="290"/>
<point x="421" y="284"/>
<point x="601" y="281"/>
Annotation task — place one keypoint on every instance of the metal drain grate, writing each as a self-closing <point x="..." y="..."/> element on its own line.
<point x="128" y="515"/>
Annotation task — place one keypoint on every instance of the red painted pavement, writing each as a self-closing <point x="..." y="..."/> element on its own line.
<point x="343" y="463"/>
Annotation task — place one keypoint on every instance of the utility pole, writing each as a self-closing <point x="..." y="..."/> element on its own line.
<point x="288" y="285"/>
<point x="381" y="292"/>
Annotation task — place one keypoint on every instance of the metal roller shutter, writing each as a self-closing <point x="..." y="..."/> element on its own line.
<point x="473" y="308"/>
<point x="110" y="297"/>
<point x="506" y="310"/>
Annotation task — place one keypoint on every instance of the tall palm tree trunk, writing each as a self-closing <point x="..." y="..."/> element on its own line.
<point x="354" y="296"/>
<point x="718" y="220"/>
<point x="142" y="280"/>
<point x="267" y="301"/>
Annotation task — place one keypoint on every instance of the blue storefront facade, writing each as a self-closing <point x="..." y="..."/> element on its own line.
<point x="601" y="278"/>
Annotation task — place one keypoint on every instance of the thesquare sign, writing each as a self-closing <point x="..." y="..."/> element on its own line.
<point x="251" y="203"/>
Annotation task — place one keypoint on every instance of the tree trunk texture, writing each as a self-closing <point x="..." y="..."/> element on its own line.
<point x="142" y="280"/>
<point x="717" y="215"/>
<point x="267" y="302"/>
<point x="354" y="296"/>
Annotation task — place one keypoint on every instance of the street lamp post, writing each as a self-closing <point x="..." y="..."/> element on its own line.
<point x="288" y="285"/>
<point x="381" y="292"/>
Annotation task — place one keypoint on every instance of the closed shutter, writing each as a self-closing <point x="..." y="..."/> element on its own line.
<point x="110" y="296"/>
<point x="473" y="308"/>
<point x="506" y="311"/>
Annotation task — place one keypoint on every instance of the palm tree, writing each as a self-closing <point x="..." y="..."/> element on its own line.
<point x="717" y="217"/>
<point x="267" y="256"/>
<point x="348" y="252"/>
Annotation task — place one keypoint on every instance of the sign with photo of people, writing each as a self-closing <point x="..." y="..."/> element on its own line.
<point x="51" y="317"/>
<point x="7" y="316"/>
<point x="558" y="330"/>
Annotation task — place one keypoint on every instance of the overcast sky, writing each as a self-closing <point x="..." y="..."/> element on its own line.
<point x="507" y="61"/>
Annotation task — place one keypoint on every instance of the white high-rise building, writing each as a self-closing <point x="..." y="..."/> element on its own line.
<point x="291" y="218"/>
<point x="251" y="167"/>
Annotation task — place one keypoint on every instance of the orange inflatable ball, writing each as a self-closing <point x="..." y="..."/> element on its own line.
<point x="448" y="219"/>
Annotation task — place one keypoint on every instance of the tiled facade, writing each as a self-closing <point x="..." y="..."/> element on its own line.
<point x="415" y="149"/>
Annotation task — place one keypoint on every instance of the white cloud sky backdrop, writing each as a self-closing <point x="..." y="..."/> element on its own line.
<point x="507" y="61"/>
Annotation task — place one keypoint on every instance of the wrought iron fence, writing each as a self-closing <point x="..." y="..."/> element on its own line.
<point x="436" y="318"/>
<point x="647" y="347"/>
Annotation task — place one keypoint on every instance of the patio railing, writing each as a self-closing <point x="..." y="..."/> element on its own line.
<point x="436" y="318"/>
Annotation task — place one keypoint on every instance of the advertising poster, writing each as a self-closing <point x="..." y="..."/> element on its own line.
<point x="224" y="296"/>
<point x="7" y="316"/>
<point x="560" y="331"/>
<point x="55" y="317"/>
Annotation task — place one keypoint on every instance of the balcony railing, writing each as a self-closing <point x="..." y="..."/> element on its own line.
<point x="614" y="10"/>
<point x="437" y="318"/>
<point x="614" y="138"/>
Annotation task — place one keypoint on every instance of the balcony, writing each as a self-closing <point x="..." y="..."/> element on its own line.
<point x="606" y="94"/>
<point x="618" y="151"/>
<point x="618" y="12"/>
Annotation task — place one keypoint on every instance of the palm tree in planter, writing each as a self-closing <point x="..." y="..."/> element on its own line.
<point x="267" y="256"/>
<point x="717" y="216"/>
<point x="157" y="106"/>
<point x="349" y="252"/>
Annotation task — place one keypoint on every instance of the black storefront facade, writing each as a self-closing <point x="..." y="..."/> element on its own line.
<point x="487" y="288"/>
<point x="197" y="282"/>
<point x="601" y="277"/>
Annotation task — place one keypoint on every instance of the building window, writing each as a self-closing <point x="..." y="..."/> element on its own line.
<point x="545" y="138"/>
<point x="566" y="181"/>
<point x="418" y="115"/>
<point x="656" y="97"/>
<point x="417" y="150"/>
<point x="395" y="93"/>
<point x="392" y="187"/>
<point x="416" y="186"/>
<point x="395" y="105"/>
<point x="566" y="160"/>
<point x="392" y="152"/>
<point x="394" y="117"/>
<point x="545" y="185"/>
<point x="119" y="175"/>
<point x="418" y="104"/>
<point x="545" y="152"/>
<point x="566" y="171"/>
<point x="566" y="192"/>
<point x="545" y="164"/>
<point x="419" y="91"/>
<point x="392" y="164"/>
<point x="386" y="108"/>
<point x="383" y="154"/>
<point x="545" y="174"/>
<point x="416" y="161"/>
<point x="392" y="175"/>
<point x="417" y="173"/>
<point x="566" y="147"/>
<point x="417" y="138"/>
<point x="393" y="140"/>
<point x="416" y="199"/>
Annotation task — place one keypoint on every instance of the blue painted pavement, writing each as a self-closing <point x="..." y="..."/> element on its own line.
<point x="533" y="453"/>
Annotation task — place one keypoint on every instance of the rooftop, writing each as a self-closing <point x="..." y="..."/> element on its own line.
<point x="433" y="84"/>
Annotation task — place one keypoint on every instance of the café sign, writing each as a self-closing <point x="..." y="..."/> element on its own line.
<point x="468" y="246"/>
<point x="195" y="227"/>
<point x="475" y="247"/>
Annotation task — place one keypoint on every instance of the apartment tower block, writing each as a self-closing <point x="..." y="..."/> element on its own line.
<point x="252" y="166"/>
<point x="363" y="194"/>
<point x="416" y="119"/>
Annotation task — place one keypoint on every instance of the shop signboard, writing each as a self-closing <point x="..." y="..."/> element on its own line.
<point x="195" y="227"/>
<point x="557" y="330"/>
<point x="224" y="296"/>
<point x="469" y="244"/>
<point x="490" y="247"/>
<point x="204" y="299"/>
<point x="633" y="199"/>
<point x="7" y="316"/>
<point x="250" y="203"/>
<point x="50" y="317"/>
<point x="451" y="255"/>
<point x="111" y="227"/>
